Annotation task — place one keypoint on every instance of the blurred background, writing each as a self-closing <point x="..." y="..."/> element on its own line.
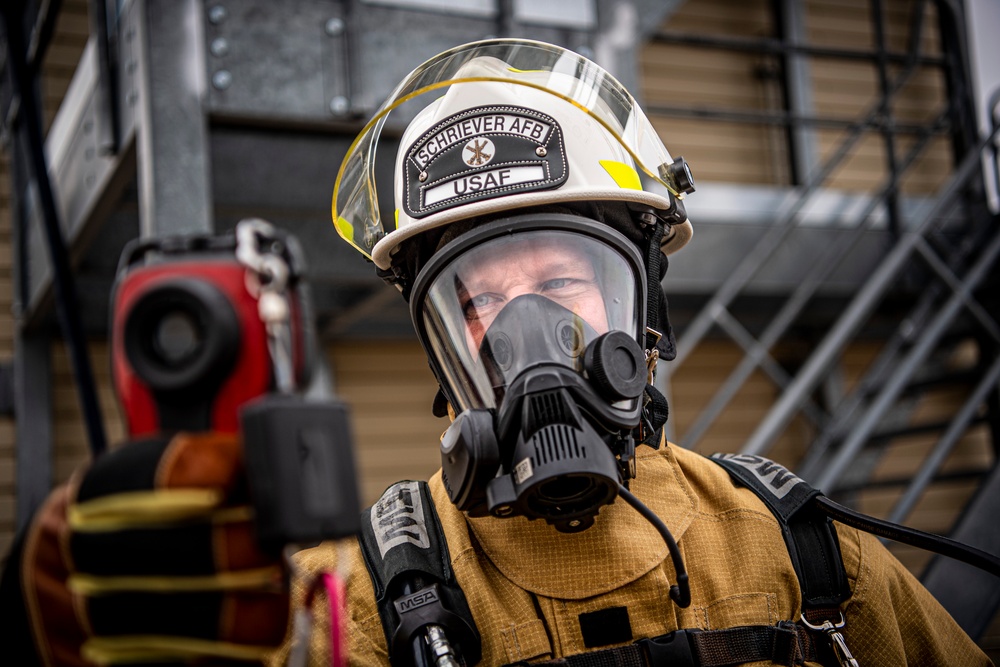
<point x="837" y="310"/>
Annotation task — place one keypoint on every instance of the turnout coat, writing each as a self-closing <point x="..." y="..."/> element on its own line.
<point x="537" y="594"/>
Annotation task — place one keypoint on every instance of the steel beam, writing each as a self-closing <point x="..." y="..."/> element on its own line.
<point x="87" y="183"/>
<point x="971" y="595"/>
<point x="798" y="92"/>
<point x="171" y="124"/>
<point x="33" y="412"/>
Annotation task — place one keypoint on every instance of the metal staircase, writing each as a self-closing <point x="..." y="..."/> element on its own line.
<point x="941" y="273"/>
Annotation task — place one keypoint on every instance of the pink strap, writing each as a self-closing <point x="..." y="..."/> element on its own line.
<point x="333" y="586"/>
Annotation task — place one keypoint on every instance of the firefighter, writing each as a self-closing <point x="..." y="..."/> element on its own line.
<point x="534" y="210"/>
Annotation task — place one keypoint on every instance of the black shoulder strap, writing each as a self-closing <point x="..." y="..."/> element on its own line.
<point x="406" y="554"/>
<point x="809" y="534"/>
<point x="786" y="644"/>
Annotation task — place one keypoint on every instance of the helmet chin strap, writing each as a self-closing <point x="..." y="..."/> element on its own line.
<point x="659" y="345"/>
<point x="653" y="257"/>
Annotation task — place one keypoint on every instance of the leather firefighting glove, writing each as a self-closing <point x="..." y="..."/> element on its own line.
<point x="150" y="556"/>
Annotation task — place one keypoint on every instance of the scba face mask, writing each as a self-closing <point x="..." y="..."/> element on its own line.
<point x="535" y="324"/>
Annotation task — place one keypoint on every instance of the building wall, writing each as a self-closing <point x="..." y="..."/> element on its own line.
<point x="698" y="77"/>
<point x="7" y="428"/>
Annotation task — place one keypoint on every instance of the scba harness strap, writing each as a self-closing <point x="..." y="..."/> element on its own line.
<point x="786" y="643"/>
<point x="809" y="534"/>
<point x="812" y="544"/>
<point x="403" y="541"/>
<point x="419" y="600"/>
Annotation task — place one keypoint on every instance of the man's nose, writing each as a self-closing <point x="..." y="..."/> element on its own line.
<point x="519" y="290"/>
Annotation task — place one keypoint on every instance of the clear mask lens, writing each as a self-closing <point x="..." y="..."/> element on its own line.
<point x="520" y="300"/>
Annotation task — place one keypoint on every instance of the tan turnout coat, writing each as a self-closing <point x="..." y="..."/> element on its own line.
<point x="527" y="584"/>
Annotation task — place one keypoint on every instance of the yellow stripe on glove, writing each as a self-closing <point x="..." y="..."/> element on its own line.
<point x="121" y="511"/>
<point x="90" y="585"/>
<point x="150" y="648"/>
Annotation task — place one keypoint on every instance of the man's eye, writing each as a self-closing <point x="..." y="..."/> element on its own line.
<point x="480" y="300"/>
<point x="558" y="284"/>
<point x="476" y="306"/>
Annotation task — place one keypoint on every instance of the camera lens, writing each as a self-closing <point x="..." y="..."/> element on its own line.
<point x="178" y="336"/>
<point x="182" y="335"/>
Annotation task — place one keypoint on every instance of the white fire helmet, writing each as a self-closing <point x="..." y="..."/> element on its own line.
<point x="513" y="124"/>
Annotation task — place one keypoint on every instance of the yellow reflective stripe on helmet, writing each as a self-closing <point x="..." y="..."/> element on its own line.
<point x="625" y="176"/>
<point x="156" y="648"/>
<point x="397" y="218"/>
<point x="149" y="508"/>
<point x="345" y="228"/>
<point x="90" y="585"/>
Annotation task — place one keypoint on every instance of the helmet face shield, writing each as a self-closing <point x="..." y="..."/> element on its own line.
<point x="537" y="91"/>
<point x="523" y="292"/>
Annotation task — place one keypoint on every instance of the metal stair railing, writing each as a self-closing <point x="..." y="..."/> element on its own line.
<point x="860" y="307"/>
<point x="756" y="257"/>
<point x="911" y="363"/>
<point x="959" y="425"/>
<point x="757" y="350"/>
<point x="987" y="380"/>
<point x="971" y="597"/>
<point x="716" y="312"/>
<point x="844" y="415"/>
<point x="888" y="357"/>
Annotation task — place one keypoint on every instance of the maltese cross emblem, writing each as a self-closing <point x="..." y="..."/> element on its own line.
<point x="478" y="152"/>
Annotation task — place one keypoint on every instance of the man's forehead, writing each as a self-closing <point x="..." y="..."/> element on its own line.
<point x="525" y="255"/>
